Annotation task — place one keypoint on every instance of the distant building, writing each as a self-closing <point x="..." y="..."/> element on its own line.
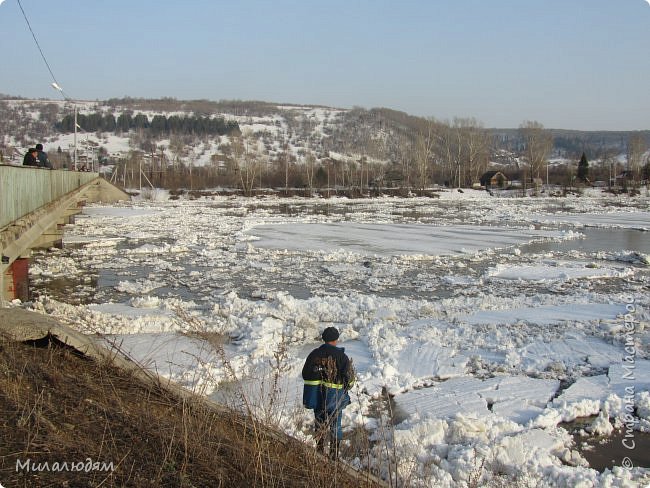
<point x="494" y="179"/>
<point x="625" y="176"/>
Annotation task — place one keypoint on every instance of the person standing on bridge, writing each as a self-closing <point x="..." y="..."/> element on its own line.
<point x="328" y="375"/>
<point x="43" y="162"/>
<point x="31" y="157"/>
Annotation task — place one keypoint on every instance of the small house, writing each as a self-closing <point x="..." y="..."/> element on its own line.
<point x="494" y="179"/>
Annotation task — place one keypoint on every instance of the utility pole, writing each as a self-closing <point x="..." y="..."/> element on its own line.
<point x="75" y="138"/>
<point x="286" y="170"/>
<point x="328" y="179"/>
<point x="74" y="104"/>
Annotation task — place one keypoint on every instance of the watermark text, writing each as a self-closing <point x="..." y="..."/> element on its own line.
<point x="629" y="375"/>
<point x="85" y="466"/>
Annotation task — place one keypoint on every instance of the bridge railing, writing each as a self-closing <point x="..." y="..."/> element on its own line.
<point x="25" y="189"/>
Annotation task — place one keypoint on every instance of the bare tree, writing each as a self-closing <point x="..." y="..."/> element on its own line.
<point x="404" y="155"/>
<point x="423" y="152"/>
<point x="247" y="161"/>
<point x="378" y="172"/>
<point x="607" y="165"/>
<point x="461" y="151"/>
<point x="177" y="147"/>
<point x="636" y="148"/>
<point x="476" y="149"/>
<point x="349" y="171"/>
<point x="451" y="149"/>
<point x="538" y="144"/>
<point x="339" y="173"/>
<point x="310" y="169"/>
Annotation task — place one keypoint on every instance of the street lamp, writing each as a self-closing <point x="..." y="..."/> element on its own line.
<point x="68" y="99"/>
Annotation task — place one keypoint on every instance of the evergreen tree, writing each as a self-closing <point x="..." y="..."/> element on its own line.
<point x="141" y="121"/>
<point x="583" y="168"/>
<point x="124" y="122"/>
<point x="159" y="124"/>
<point x="109" y="124"/>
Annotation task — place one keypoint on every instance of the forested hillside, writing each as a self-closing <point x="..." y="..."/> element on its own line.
<point x="252" y="144"/>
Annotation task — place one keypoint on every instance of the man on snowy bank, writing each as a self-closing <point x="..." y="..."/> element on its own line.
<point x="328" y="375"/>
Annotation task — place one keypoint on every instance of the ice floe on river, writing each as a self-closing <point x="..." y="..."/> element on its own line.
<point x="636" y="220"/>
<point x="485" y="342"/>
<point x="396" y="239"/>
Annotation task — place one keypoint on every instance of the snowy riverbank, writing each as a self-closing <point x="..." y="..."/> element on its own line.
<point x="489" y="321"/>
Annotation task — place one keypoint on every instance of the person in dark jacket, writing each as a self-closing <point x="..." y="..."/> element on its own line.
<point x="30" y="158"/>
<point x="43" y="162"/>
<point x="328" y="375"/>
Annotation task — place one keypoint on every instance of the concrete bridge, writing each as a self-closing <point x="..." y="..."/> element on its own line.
<point x="35" y="204"/>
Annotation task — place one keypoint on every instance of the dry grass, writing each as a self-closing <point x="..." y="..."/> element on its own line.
<point x="58" y="406"/>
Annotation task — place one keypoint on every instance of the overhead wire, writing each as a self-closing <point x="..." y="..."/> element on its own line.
<point x="47" y="64"/>
<point x="55" y="83"/>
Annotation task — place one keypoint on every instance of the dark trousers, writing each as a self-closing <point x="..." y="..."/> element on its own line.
<point x="329" y="422"/>
<point x="328" y="427"/>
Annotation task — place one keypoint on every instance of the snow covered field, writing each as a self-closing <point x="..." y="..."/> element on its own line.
<point x="488" y="321"/>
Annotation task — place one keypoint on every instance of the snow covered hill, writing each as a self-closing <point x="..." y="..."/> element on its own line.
<point x="249" y="144"/>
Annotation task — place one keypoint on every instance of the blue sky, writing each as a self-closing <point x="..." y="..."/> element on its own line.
<point x="574" y="64"/>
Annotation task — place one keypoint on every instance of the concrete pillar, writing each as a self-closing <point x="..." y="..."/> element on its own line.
<point x="16" y="280"/>
<point x="52" y="237"/>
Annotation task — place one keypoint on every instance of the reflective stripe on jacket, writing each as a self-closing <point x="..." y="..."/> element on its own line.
<point x="318" y="395"/>
<point x="328" y="375"/>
